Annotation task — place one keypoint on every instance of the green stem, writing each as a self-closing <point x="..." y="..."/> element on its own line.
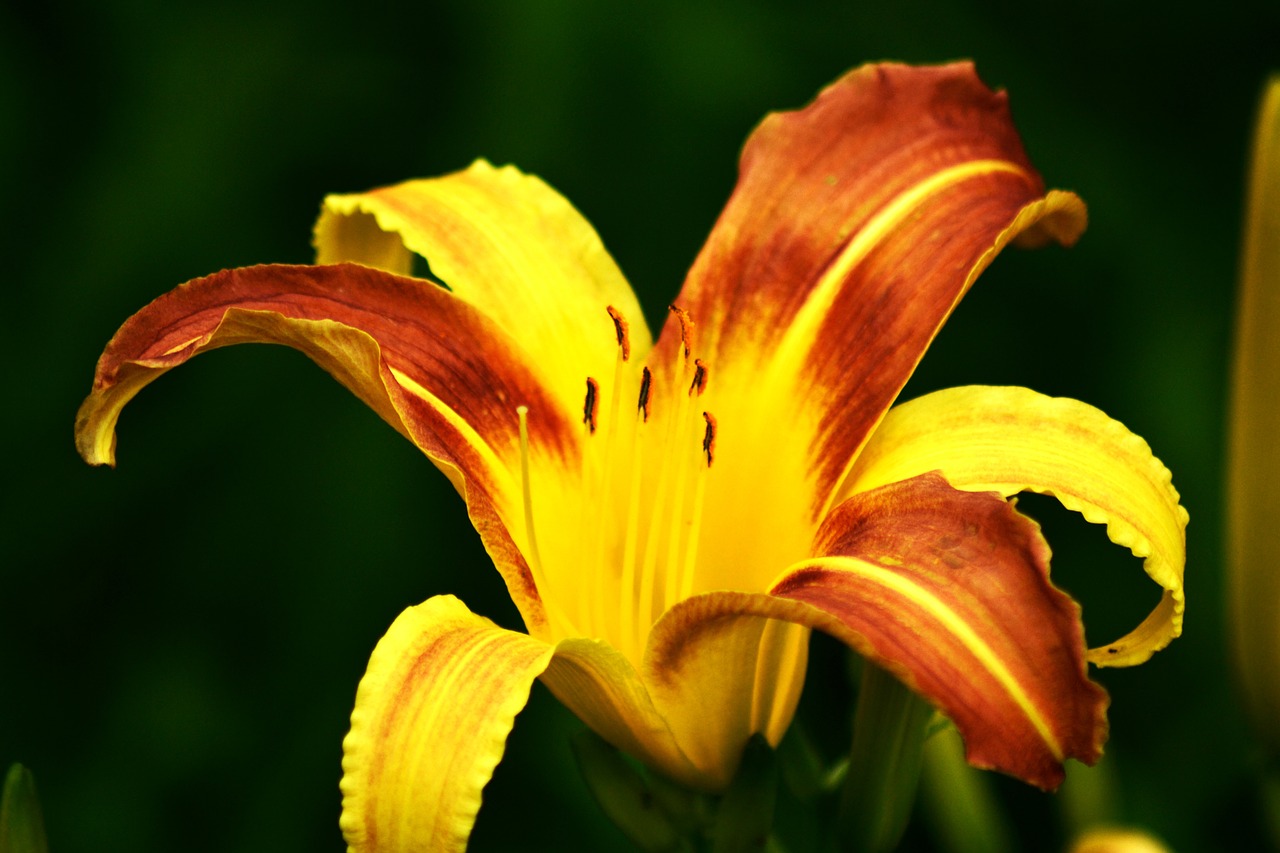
<point x="964" y="813"/>
<point x="1090" y="796"/>
<point x="884" y="763"/>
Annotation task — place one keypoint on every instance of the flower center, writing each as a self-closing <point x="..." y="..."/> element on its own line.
<point x="641" y="493"/>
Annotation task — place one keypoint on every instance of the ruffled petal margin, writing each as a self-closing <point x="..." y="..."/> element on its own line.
<point x="856" y="226"/>
<point x="948" y="590"/>
<point x="1010" y="439"/>
<point x="429" y="364"/>
<point x="508" y="244"/>
<point x="432" y="716"/>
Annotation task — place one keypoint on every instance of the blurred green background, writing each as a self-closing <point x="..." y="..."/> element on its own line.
<point x="181" y="638"/>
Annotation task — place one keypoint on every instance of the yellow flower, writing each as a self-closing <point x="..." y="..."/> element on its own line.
<point x="1253" y="504"/>
<point x="671" y="518"/>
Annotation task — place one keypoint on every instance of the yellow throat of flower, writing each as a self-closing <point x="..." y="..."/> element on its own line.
<point x="622" y="533"/>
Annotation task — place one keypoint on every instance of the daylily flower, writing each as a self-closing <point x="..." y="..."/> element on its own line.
<point x="672" y="518"/>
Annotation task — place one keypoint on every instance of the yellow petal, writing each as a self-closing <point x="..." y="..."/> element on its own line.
<point x="720" y="669"/>
<point x="602" y="687"/>
<point x="508" y="244"/>
<point x="1253" y="461"/>
<point x="1010" y="440"/>
<point x="430" y="724"/>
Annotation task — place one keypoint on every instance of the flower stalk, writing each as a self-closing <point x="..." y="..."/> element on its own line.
<point x="889" y="730"/>
<point x="962" y="809"/>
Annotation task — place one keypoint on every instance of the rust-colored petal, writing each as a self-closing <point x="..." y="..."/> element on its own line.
<point x="856" y="225"/>
<point x="432" y="366"/>
<point x="1010" y="439"/>
<point x="430" y="724"/>
<point x="950" y="591"/>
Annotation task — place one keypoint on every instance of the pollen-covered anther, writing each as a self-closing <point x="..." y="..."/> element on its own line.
<point x="699" y="383"/>
<point x="590" y="405"/>
<point x="686" y="328"/>
<point x="646" y="384"/>
<point x="623" y="330"/>
<point x="709" y="437"/>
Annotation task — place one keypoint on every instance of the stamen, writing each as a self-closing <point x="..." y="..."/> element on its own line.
<point x="699" y="377"/>
<point x="622" y="329"/>
<point x="589" y="406"/>
<point x="686" y="328"/>
<point x="689" y="564"/>
<point x="627" y="601"/>
<point x="646" y="380"/>
<point x="709" y="437"/>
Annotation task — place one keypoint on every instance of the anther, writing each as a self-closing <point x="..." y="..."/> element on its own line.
<point x="709" y="437"/>
<point x="589" y="405"/>
<point x="686" y="328"/>
<point x="622" y="330"/>
<point x="646" y="380"/>
<point x="699" y="377"/>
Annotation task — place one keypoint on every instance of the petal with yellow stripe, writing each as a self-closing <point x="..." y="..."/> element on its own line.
<point x="947" y="589"/>
<point x="431" y="365"/>
<point x="1008" y="440"/>
<point x="856" y="225"/>
<point x="950" y="591"/>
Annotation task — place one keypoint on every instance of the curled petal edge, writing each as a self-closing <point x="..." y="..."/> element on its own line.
<point x="294" y="306"/>
<point x="1011" y="439"/>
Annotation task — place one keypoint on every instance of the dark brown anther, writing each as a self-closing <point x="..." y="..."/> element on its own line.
<point x="686" y="328"/>
<point x="589" y="407"/>
<point x="699" y="378"/>
<point x="646" y="380"/>
<point x="709" y="437"/>
<point x="622" y="330"/>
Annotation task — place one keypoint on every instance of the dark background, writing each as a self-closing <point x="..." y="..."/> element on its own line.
<point x="180" y="639"/>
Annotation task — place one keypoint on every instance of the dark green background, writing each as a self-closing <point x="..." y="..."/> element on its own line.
<point x="180" y="639"/>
